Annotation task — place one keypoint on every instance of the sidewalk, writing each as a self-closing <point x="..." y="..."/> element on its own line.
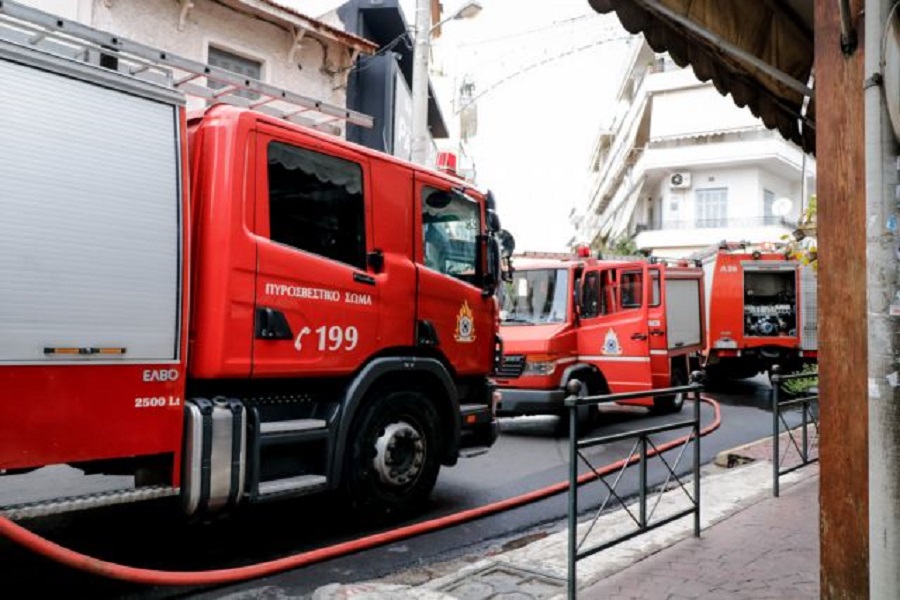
<point x="769" y="550"/>
<point x="752" y="546"/>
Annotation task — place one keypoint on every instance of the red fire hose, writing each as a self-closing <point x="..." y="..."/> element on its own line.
<point x="103" y="568"/>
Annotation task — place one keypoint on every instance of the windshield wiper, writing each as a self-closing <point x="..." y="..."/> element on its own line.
<point x="517" y="320"/>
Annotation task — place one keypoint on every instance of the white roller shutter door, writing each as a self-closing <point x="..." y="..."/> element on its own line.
<point x="89" y="219"/>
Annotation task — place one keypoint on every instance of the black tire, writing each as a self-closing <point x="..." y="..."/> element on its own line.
<point x="376" y="490"/>
<point x="587" y="415"/>
<point x="714" y="377"/>
<point x="663" y="405"/>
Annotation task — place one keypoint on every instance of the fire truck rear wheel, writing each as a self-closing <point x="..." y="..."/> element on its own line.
<point x="393" y="462"/>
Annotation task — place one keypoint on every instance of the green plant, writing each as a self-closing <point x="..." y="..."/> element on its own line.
<point x="801" y="385"/>
<point x="805" y="251"/>
<point x="621" y="246"/>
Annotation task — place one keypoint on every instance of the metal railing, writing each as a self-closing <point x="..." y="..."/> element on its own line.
<point x="644" y="448"/>
<point x="809" y="417"/>
<point x="758" y="221"/>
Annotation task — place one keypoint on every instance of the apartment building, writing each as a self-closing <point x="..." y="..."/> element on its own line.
<point x="680" y="167"/>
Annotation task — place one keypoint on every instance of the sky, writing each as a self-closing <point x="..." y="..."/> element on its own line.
<point x="545" y="75"/>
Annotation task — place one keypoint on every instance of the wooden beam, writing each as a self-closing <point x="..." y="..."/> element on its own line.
<point x="841" y="188"/>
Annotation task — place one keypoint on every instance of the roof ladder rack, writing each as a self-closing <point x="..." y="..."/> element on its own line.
<point x="25" y="26"/>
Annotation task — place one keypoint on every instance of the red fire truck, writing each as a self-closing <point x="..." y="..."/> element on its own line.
<point x="227" y="305"/>
<point x="615" y="325"/>
<point x="761" y="311"/>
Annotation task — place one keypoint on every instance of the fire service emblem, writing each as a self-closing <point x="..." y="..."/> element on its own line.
<point x="465" y="325"/>
<point x="611" y="343"/>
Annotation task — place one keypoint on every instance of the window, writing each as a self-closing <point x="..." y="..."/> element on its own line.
<point x="596" y="294"/>
<point x="316" y="203"/>
<point x="654" y="288"/>
<point x="451" y="223"/>
<point x="631" y="290"/>
<point x="769" y="217"/>
<point x="591" y="296"/>
<point x="236" y="64"/>
<point x="535" y="296"/>
<point x="712" y="207"/>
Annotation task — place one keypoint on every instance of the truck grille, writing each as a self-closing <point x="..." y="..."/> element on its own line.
<point x="511" y="366"/>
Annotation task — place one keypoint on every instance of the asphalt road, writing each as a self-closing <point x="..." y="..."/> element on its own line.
<point x="528" y="456"/>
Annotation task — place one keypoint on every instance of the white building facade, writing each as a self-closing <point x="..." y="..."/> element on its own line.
<point x="682" y="168"/>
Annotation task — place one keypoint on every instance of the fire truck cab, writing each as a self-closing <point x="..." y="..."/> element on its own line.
<point x="615" y="325"/>
<point x="228" y="305"/>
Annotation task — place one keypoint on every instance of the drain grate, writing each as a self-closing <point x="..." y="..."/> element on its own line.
<point x="504" y="581"/>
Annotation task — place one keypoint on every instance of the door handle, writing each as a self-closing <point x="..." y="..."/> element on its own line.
<point x="363" y="278"/>
<point x="656" y="332"/>
<point x="638" y="336"/>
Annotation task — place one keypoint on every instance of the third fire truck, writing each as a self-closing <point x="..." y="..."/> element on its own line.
<point x="761" y="311"/>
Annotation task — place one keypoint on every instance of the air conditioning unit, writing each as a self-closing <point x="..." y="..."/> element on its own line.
<point x="680" y="181"/>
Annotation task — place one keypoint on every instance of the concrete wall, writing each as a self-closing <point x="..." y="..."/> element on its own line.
<point x="156" y="23"/>
<point x="745" y="193"/>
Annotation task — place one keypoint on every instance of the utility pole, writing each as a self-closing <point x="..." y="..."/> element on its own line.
<point x="883" y="301"/>
<point x="420" y="136"/>
<point x="424" y="29"/>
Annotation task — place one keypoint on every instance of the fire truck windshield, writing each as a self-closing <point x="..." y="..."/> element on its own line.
<point x="534" y="297"/>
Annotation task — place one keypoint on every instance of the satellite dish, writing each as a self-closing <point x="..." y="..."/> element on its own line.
<point x="782" y="207"/>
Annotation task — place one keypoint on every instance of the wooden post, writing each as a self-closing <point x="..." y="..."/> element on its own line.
<point x="841" y="186"/>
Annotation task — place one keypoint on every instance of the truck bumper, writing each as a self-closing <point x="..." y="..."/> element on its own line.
<point x="515" y="402"/>
<point x="479" y="427"/>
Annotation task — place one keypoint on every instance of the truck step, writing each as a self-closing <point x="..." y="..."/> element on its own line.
<point x="292" y="426"/>
<point x="305" y="483"/>
<point x="56" y="506"/>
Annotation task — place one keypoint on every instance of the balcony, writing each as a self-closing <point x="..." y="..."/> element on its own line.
<point x="679" y="238"/>
<point x="742" y="222"/>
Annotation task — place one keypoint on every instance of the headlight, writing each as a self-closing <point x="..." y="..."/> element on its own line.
<point x="540" y="364"/>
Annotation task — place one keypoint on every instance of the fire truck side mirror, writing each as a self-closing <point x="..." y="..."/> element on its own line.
<point x="507" y="246"/>
<point x="490" y="201"/>
<point x="494" y="269"/>
<point x="507" y="243"/>
<point x="493" y="221"/>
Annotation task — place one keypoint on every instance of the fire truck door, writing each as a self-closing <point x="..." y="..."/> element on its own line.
<point x="452" y="313"/>
<point x="656" y="323"/>
<point x="316" y="301"/>
<point x="614" y="334"/>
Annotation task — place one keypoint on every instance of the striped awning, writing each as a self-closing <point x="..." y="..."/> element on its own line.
<point x="761" y="53"/>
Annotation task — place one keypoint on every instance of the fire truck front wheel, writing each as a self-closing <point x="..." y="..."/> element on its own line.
<point x="394" y="459"/>
<point x="587" y="415"/>
<point x="672" y="403"/>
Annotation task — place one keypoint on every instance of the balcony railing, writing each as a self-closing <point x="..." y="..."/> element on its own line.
<point x="721" y="223"/>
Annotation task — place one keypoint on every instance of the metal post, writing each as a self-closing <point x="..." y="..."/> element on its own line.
<point x="696" y="458"/>
<point x="642" y="489"/>
<point x="419" y="151"/>
<point x="573" y="501"/>
<point x="805" y="442"/>
<point x="882" y="287"/>
<point x="776" y="453"/>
